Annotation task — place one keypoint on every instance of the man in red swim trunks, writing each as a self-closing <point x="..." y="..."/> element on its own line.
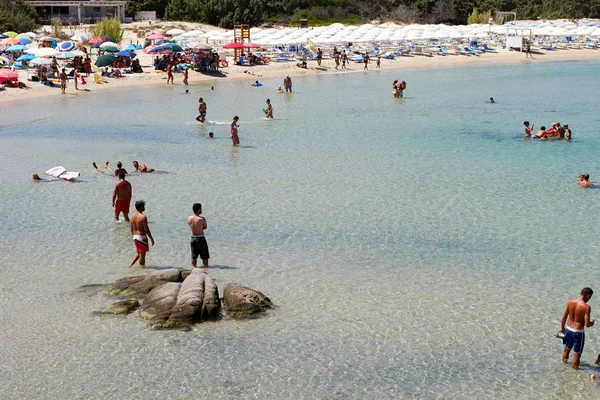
<point x="121" y="196"/>
<point x="141" y="232"/>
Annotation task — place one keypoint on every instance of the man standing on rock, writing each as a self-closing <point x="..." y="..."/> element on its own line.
<point x="121" y="197"/>
<point x="197" y="224"/>
<point x="141" y="233"/>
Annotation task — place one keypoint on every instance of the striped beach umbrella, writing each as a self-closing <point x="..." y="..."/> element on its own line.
<point x="66" y="46"/>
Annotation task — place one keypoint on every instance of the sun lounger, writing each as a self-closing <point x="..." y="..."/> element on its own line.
<point x="488" y="48"/>
<point x="62" y="173"/>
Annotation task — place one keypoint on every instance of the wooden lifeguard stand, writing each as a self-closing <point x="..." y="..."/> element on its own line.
<point x="241" y="34"/>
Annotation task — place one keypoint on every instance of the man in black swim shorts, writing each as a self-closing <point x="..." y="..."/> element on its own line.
<point x="197" y="224"/>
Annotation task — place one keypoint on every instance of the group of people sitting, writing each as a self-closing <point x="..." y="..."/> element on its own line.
<point x="557" y="131"/>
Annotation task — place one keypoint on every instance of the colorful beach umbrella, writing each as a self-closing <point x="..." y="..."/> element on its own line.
<point x="3" y="36"/>
<point x="15" y="48"/>
<point x="108" y="38"/>
<point x="24" y="41"/>
<point x="251" y="45"/>
<point x="126" y="53"/>
<point x="156" y="36"/>
<point x="234" y="46"/>
<point x="9" y="41"/>
<point x="8" y="75"/>
<point x="23" y="36"/>
<point x="96" y="40"/>
<point x="66" y="46"/>
<point x="133" y="47"/>
<point x="10" y="34"/>
<point x="105" y="60"/>
<point x="109" y="44"/>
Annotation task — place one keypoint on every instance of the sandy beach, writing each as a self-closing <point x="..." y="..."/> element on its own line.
<point x="133" y="34"/>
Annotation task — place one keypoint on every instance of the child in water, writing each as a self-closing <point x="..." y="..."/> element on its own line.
<point x="279" y="89"/>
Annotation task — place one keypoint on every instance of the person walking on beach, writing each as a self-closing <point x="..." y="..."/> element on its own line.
<point x="575" y="319"/>
<point x="378" y="65"/>
<point x="121" y="197"/>
<point x="269" y="109"/>
<point x="234" y="131"/>
<point x="141" y="232"/>
<point x="197" y="224"/>
<point x="287" y="84"/>
<point x="366" y="61"/>
<point x="344" y="59"/>
<point x="201" y="110"/>
<point x="319" y="56"/>
<point x="170" y="74"/>
<point x="528" y="49"/>
<point x="185" y="77"/>
<point x="63" y="82"/>
<point x="75" y="77"/>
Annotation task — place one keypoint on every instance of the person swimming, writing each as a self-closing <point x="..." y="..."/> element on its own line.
<point x="492" y="100"/>
<point x="279" y="89"/>
<point x="257" y="83"/>
<point x="584" y="180"/>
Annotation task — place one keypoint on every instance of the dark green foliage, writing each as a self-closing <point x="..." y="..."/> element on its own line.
<point x="226" y="13"/>
<point x="18" y="16"/>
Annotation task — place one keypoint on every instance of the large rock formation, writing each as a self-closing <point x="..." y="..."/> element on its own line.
<point x="241" y="301"/>
<point x="177" y="305"/>
<point x="140" y="286"/>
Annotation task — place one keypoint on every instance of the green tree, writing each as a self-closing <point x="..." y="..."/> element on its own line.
<point x="18" y="16"/>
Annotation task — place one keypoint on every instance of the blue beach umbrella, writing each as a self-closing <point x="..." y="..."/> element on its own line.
<point x="24" y="41"/>
<point x="133" y="47"/>
<point x="66" y="46"/>
<point x="26" y="57"/>
<point x="108" y="38"/>
<point x="3" y="36"/>
<point x="15" y="48"/>
<point x="126" y="53"/>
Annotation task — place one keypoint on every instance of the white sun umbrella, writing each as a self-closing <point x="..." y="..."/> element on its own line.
<point x="79" y="38"/>
<point x="596" y="32"/>
<point x="41" y="61"/>
<point x="254" y="30"/>
<point x="384" y="35"/>
<point x="337" y="25"/>
<point x="174" y="32"/>
<point x="413" y="35"/>
<point x="441" y="34"/>
<point x="43" y="52"/>
<point x="32" y="35"/>
<point x="108" y="44"/>
<point x="67" y="55"/>
<point x="192" y="34"/>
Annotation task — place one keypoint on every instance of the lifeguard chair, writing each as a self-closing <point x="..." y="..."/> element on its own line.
<point x="241" y="34"/>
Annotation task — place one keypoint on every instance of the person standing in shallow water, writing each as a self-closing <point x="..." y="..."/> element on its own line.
<point x="121" y="197"/>
<point x="197" y="224"/>
<point x="141" y="232"/>
<point x="233" y="127"/>
<point x="201" y="110"/>
<point x="575" y="319"/>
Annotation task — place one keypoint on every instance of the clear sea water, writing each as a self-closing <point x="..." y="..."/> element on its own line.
<point x="415" y="248"/>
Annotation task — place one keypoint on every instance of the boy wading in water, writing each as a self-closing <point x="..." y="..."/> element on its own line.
<point x="198" y="243"/>
<point x="141" y="233"/>
<point x="577" y="313"/>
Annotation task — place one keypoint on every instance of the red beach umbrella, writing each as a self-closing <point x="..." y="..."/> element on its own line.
<point x="234" y="46"/>
<point x="9" y="41"/>
<point x="251" y="46"/>
<point x="155" y="36"/>
<point x="8" y="75"/>
<point x="96" y="40"/>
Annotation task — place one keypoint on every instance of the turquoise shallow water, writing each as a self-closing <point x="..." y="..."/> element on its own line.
<point x="415" y="248"/>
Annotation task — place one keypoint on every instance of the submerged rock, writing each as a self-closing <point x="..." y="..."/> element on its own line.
<point x="140" y="286"/>
<point x="120" y="307"/>
<point x="177" y="305"/>
<point x="241" y="301"/>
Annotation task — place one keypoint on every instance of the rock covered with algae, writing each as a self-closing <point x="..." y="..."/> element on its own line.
<point x="241" y="301"/>
<point x="178" y="305"/>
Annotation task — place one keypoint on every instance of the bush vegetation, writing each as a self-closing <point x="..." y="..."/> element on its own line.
<point x="108" y="27"/>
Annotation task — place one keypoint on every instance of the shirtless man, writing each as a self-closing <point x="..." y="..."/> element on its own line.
<point x="197" y="224"/>
<point x="528" y="129"/>
<point x="141" y="233"/>
<point x="584" y="180"/>
<point x="63" y="82"/>
<point x="577" y="313"/>
<point x="560" y="131"/>
<point x="567" y="132"/>
<point x="142" y="167"/>
<point x="287" y="84"/>
<point x="121" y="197"/>
<point x="115" y="171"/>
<point x="201" y="110"/>
<point x="541" y="134"/>
<point x="269" y="112"/>
<point x="319" y="56"/>
<point x="233" y="127"/>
